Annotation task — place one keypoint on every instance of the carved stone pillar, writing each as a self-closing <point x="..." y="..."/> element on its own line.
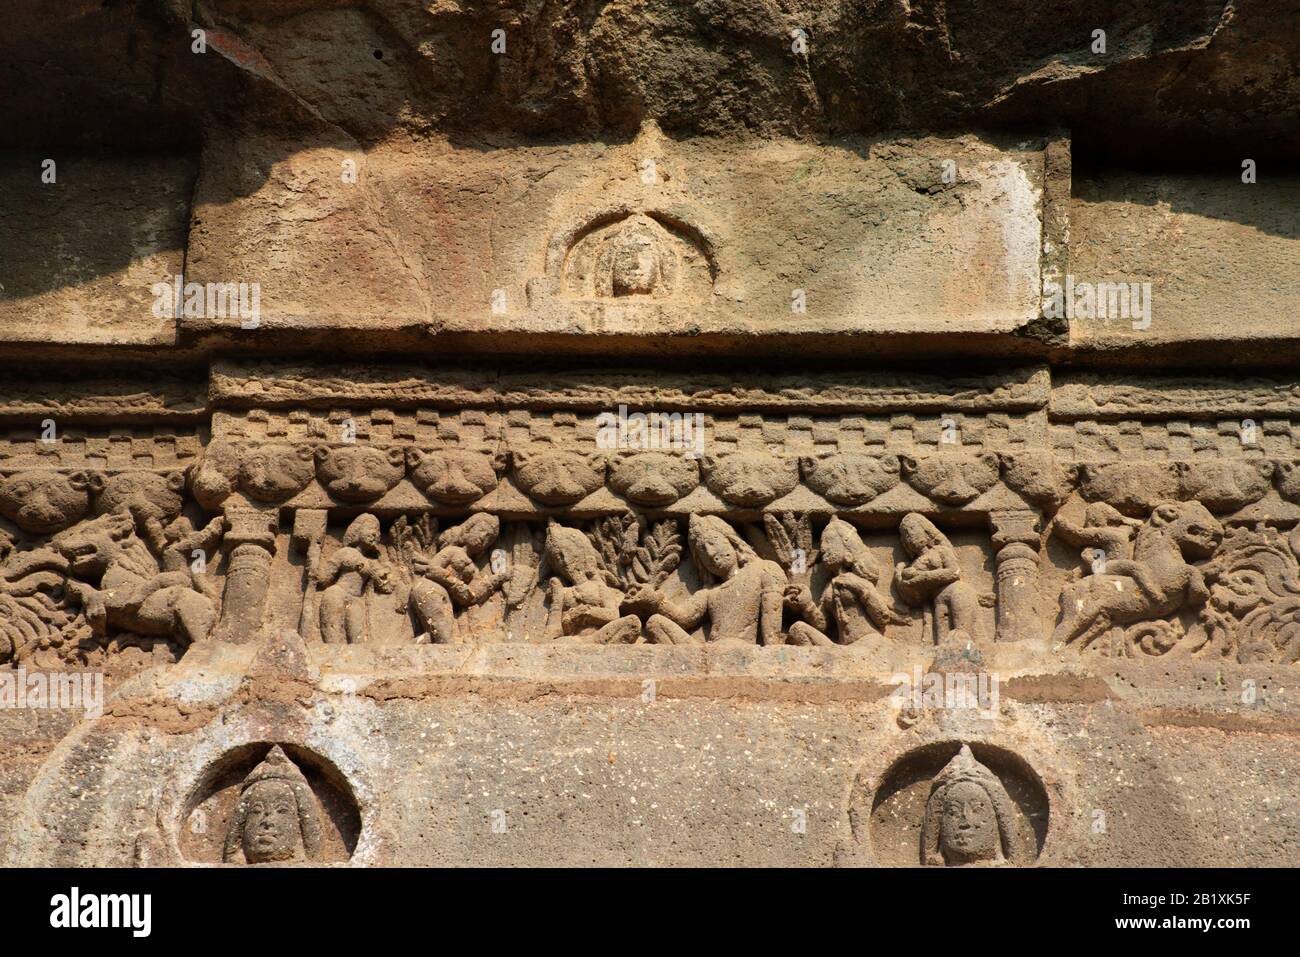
<point x="250" y="544"/>
<point x="1015" y="536"/>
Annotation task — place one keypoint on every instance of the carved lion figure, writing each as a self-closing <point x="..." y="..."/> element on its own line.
<point x="118" y="582"/>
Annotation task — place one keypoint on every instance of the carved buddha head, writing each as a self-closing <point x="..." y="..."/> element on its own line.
<point x="276" y="820"/>
<point x="969" y="817"/>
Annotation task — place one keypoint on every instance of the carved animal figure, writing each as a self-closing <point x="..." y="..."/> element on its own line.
<point x="119" y="584"/>
<point x="1039" y="477"/>
<point x="951" y="478"/>
<point x="849" y="479"/>
<point x="558" y="478"/>
<point x="274" y="473"/>
<point x="1225" y="486"/>
<point x="359" y="473"/>
<point x="43" y="501"/>
<point x="654" y="479"/>
<point x="455" y="476"/>
<point x="1135" y="488"/>
<point x="751" y="478"/>
<point x="214" y="476"/>
<point x="1157" y="582"/>
<point x="148" y="496"/>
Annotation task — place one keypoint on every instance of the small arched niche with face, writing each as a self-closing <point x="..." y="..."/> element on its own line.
<point x="971" y="806"/>
<point x="271" y="804"/>
<point x="638" y="256"/>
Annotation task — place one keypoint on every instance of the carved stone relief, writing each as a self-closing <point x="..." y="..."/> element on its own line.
<point x="955" y="804"/>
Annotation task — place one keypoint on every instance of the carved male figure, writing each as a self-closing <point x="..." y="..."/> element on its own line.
<point x="452" y="579"/>
<point x="584" y="605"/>
<point x="1157" y="582"/>
<point x="350" y="575"/>
<point x="276" y="820"/>
<point x="932" y="579"/>
<point x="851" y="600"/>
<point x="969" y="817"/>
<point x="744" y="607"/>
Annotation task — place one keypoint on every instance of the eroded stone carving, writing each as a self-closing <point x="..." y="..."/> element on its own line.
<point x="932" y="579"/>
<point x="851" y="602"/>
<point x="349" y="576"/>
<point x="743" y="606"/>
<point x="636" y="255"/>
<point x="449" y="580"/>
<point x="969" y="817"/>
<point x="1158" y="581"/>
<point x="277" y="818"/>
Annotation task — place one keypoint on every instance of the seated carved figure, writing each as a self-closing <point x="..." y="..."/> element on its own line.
<point x="584" y="605"/>
<point x="350" y="574"/>
<point x="932" y="579"/>
<point x="969" y="817"/>
<point x="851" y="601"/>
<point x="1155" y="583"/>
<point x="452" y="580"/>
<point x="119" y="583"/>
<point x="276" y="820"/>
<point x="744" y="607"/>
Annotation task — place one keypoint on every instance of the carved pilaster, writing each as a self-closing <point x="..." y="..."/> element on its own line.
<point x="1015" y="536"/>
<point x="250" y="545"/>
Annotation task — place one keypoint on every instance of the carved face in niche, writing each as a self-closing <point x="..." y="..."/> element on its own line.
<point x="277" y="818"/>
<point x="968" y="825"/>
<point x="969" y="817"/>
<point x="44" y="501"/>
<point x="635" y="260"/>
<point x="271" y="828"/>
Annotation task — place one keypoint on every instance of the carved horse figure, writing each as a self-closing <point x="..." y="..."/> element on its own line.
<point x="1157" y="582"/>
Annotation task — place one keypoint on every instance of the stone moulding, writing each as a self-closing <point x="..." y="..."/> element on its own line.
<point x="467" y="505"/>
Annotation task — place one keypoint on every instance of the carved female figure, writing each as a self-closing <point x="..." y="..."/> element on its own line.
<point x="588" y="606"/>
<point x="746" y="605"/>
<point x="351" y="573"/>
<point x="276" y="819"/>
<point x="933" y="579"/>
<point x="452" y="579"/>
<point x="851" y="599"/>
